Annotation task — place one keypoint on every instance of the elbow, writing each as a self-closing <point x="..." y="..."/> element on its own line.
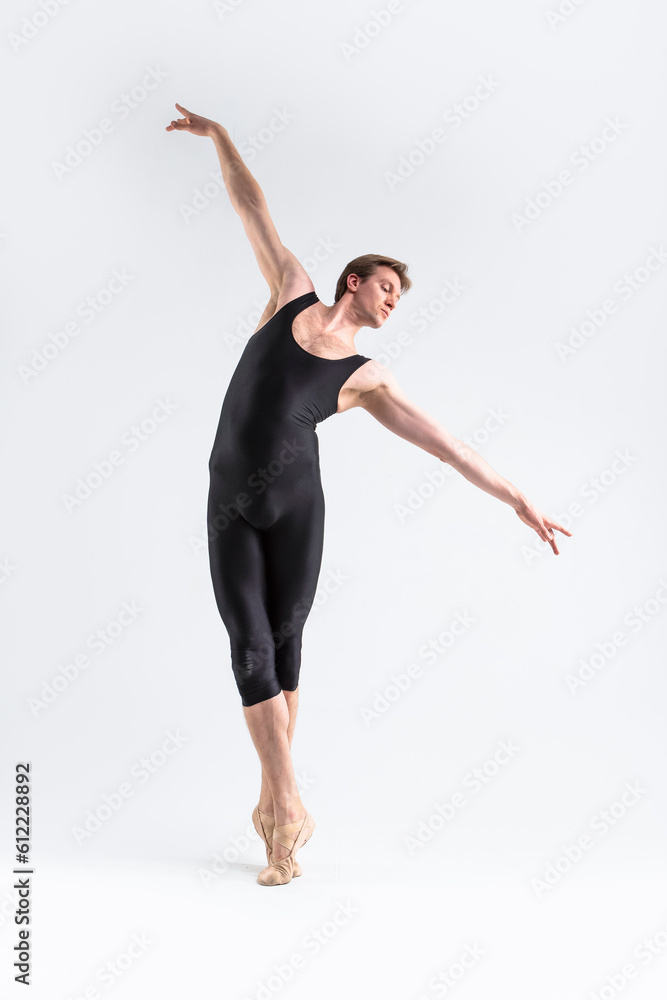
<point x="247" y="198"/>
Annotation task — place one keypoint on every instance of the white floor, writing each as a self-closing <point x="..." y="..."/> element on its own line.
<point x="361" y="922"/>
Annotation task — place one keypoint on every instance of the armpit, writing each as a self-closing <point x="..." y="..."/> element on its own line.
<point x="368" y="377"/>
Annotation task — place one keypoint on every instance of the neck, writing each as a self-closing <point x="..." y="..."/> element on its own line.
<point x="340" y="321"/>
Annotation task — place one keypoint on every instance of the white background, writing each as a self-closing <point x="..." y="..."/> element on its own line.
<point x="404" y="553"/>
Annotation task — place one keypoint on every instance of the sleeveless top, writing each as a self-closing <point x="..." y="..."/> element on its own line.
<point x="266" y="442"/>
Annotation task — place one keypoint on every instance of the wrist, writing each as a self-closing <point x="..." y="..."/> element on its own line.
<point x="217" y="131"/>
<point x="517" y="499"/>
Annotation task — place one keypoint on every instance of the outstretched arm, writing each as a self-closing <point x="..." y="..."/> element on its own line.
<point x="391" y="407"/>
<point x="275" y="261"/>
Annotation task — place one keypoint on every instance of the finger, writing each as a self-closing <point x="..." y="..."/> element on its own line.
<point x="547" y="535"/>
<point x="185" y="112"/>
<point x="552" y="541"/>
<point x="555" y="524"/>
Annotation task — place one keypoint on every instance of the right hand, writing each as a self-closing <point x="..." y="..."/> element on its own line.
<point x="541" y="523"/>
<point x="192" y="123"/>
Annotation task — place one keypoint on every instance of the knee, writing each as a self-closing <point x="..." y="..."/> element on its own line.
<point x="288" y="662"/>
<point x="255" y="674"/>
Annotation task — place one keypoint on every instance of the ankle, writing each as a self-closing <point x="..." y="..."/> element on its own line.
<point x="289" y="812"/>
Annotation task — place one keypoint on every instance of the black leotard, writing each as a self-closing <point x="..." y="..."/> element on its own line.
<point x="265" y="505"/>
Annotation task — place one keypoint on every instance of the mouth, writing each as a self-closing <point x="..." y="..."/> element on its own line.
<point x="385" y="312"/>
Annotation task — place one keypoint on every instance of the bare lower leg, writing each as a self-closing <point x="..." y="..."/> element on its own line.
<point x="271" y="724"/>
<point x="265" y="796"/>
<point x="292" y="699"/>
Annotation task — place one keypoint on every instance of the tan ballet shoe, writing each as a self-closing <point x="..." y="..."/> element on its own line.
<point x="264" y="824"/>
<point x="291" y="836"/>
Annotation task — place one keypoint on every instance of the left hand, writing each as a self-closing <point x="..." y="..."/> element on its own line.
<point x="192" y="123"/>
<point x="542" y="524"/>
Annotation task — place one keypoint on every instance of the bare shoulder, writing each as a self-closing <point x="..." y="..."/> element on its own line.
<point x="296" y="281"/>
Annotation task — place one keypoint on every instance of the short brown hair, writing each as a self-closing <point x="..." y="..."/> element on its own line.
<point x="366" y="265"/>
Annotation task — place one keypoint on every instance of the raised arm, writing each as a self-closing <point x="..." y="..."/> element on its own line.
<point x="387" y="402"/>
<point x="276" y="262"/>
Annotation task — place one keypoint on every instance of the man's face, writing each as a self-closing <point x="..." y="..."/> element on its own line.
<point x="377" y="296"/>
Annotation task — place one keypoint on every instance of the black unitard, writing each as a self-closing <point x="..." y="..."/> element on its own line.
<point x="265" y="513"/>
